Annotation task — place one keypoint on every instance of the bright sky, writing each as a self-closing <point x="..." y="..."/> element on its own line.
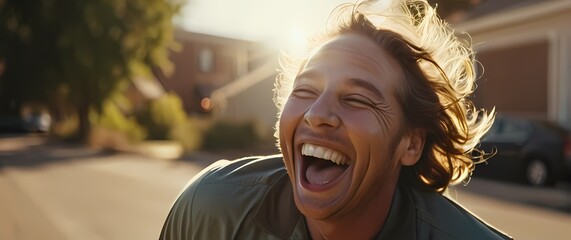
<point x="276" y="22"/>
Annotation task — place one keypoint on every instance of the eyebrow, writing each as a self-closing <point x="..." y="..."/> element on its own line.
<point x="367" y="86"/>
<point x="306" y="74"/>
<point x="355" y="82"/>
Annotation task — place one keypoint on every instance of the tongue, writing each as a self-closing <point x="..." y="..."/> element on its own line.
<point x="322" y="172"/>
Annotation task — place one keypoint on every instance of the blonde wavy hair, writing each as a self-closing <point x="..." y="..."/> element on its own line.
<point x="439" y="76"/>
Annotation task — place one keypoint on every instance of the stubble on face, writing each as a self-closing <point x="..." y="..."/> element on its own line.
<point x="352" y="56"/>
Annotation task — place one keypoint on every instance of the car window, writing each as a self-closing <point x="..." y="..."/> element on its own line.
<point x="509" y="130"/>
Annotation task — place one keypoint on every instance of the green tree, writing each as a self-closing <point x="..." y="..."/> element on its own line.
<point x="77" y="51"/>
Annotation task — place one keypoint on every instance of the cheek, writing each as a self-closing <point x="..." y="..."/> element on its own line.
<point x="293" y="111"/>
<point x="289" y="119"/>
<point x="376" y="136"/>
<point x="288" y="122"/>
<point x="286" y="116"/>
<point x="369" y="126"/>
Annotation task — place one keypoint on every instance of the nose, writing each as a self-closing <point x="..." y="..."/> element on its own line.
<point x="322" y="113"/>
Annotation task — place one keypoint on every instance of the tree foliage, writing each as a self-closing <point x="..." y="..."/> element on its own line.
<point x="76" y="52"/>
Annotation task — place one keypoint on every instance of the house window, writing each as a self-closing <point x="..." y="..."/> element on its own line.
<point x="206" y="59"/>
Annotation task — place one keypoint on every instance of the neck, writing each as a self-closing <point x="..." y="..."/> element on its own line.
<point x="364" y="222"/>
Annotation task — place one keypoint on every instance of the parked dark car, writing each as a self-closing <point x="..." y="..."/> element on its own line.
<point x="533" y="151"/>
<point x="12" y="124"/>
<point x="33" y="122"/>
<point x="38" y="122"/>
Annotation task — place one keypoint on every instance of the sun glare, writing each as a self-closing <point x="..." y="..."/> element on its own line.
<point x="296" y="41"/>
<point x="281" y="24"/>
<point x="297" y="36"/>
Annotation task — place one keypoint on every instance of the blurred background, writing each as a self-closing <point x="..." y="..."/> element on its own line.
<point x="108" y="107"/>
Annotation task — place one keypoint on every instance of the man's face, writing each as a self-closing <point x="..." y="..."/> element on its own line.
<point x="341" y="128"/>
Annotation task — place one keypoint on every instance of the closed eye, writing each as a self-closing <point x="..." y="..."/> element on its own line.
<point x="359" y="101"/>
<point x="304" y="92"/>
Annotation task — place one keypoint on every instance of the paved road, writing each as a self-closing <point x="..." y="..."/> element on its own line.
<point x="55" y="191"/>
<point x="523" y="212"/>
<point x="69" y="192"/>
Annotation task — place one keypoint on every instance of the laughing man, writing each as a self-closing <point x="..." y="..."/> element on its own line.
<point x="374" y="126"/>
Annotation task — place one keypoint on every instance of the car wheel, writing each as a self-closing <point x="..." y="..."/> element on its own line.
<point x="537" y="172"/>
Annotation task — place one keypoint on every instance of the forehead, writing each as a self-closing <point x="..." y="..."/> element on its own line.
<point x="351" y="43"/>
<point x="356" y="56"/>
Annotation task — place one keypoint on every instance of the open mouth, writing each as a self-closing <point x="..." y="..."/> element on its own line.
<point x="322" y="165"/>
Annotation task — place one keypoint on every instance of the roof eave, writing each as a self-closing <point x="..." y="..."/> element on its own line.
<point x="514" y="16"/>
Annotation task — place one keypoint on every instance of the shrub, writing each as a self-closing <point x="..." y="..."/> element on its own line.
<point x="224" y="134"/>
<point x="165" y="119"/>
<point x="65" y="128"/>
<point x="112" y="118"/>
<point x="187" y="134"/>
<point x="162" y="116"/>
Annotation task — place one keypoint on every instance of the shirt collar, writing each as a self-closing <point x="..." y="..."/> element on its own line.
<point x="401" y="221"/>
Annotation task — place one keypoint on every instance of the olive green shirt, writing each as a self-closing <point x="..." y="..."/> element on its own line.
<point x="252" y="198"/>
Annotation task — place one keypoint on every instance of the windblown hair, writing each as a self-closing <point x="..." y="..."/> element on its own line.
<point x="438" y="77"/>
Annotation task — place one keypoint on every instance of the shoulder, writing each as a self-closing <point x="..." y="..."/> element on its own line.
<point x="223" y="198"/>
<point x="245" y="171"/>
<point x="223" y="181"/>
<point x="441" y="216"/>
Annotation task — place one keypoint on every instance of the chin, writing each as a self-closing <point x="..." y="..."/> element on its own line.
<point x="321" y="202"/>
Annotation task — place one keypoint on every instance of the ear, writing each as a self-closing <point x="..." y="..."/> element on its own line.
<point x="414" y="145"/>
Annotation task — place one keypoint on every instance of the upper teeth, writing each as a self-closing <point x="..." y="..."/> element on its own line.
<point x="323" y="152"/>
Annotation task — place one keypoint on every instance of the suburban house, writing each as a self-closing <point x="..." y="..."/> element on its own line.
<point x="524" y="47"/>
<point x="224" y="78"/>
